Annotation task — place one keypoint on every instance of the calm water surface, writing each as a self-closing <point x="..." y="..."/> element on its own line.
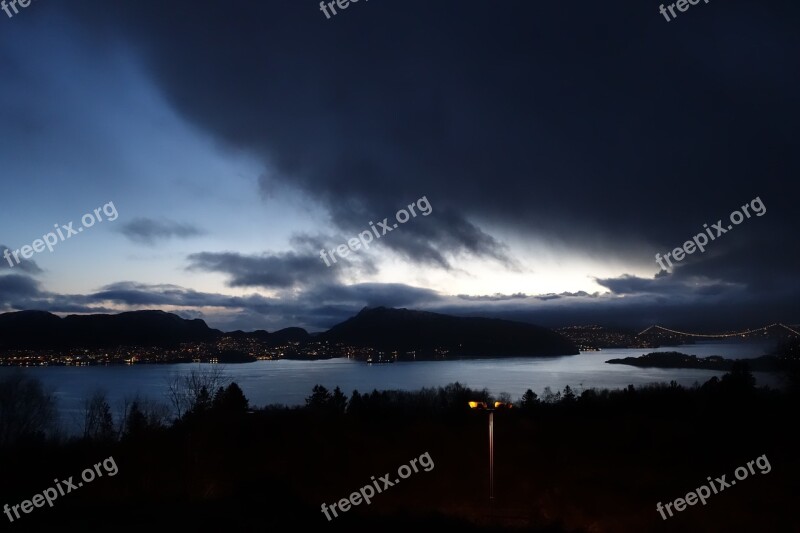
<point x="289" y="382"/>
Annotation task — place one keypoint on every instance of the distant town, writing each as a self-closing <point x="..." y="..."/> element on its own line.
<point x="231" y="349"/>
<point x="224" y="350"/>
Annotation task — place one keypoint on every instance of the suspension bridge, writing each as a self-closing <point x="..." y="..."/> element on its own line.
<point x="777" y="327"/>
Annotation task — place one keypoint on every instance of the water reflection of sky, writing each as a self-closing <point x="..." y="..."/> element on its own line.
<point x="289" y="382"/>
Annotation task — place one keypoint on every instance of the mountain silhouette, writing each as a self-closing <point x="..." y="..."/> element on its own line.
<point x="282" y="336"/>
<point x="405" y="330"/>
<point x="42" y="330"/>
<point x="380" y="328"/>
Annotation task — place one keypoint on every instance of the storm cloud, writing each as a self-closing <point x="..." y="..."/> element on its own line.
<point x="495" y="114"/>
<point x="614" y="140"/>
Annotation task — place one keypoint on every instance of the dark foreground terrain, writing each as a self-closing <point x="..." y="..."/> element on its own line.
<point x="588" y="461"/>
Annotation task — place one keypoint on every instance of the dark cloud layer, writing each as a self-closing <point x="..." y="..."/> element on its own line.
<point x="600" y="127"/>
<point x="624" y="126"/>
<point x="282" y="271"/>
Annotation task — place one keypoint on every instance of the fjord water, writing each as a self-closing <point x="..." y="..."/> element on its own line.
<point x="290" y="382"/>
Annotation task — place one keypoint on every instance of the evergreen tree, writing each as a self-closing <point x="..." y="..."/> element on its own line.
<point x="356" y="404"/>
<point x="218" y="400"/>
<point x="203" y="401"/>
<point x="338" y="401"/>
<point x="136" y="423"/>
<point x="568" y="396"/>
<point x="529" y="399"/>
<point x="231" y="400"/>
<point x="320" y="398"/>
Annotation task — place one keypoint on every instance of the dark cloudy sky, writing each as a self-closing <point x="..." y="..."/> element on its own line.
<point x="561" y="146"/>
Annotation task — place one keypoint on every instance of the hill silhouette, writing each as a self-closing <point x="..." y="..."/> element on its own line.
<point x="406" y="330"/>
<point x="282" y="336"/>
<point x="39" y="329"/>
<point x="380" y="328"/>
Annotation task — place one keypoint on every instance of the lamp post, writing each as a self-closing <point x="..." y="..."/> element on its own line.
<point x="484" y="407"/>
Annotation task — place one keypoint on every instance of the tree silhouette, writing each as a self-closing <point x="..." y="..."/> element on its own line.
<point x="550" y="397"/>
<point x="529" y="399"/>
<point x="136" y="422"/>
<point x="568" y="396"/>
<point x="338" y="401"/>
<point x="190" y="392"/>
<point x="26" y="410"/>
<point x="356" y="404"/>
<point x="320" y="398"/>
<point x="98" y="423"/>
<point x="231" y="400"/>
<point x="504" y="397"/>
<point x="739" y="380"/>
<point x="203" y="401"/>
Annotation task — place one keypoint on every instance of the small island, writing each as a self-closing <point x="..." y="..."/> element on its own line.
<point x="766" y="363"/>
